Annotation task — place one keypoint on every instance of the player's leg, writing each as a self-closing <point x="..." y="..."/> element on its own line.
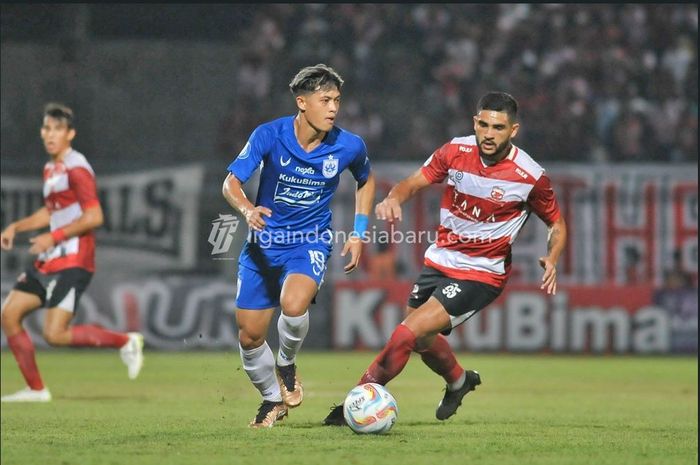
<point x="67" y="288"/>
<point x="259" y="364"/>
<point x="424" y="322"/>
<point x="256" y="299"/>
<point x="461" y="299"/>
<point x="304" y="268"/>
<point x="26" y="297"/>
<point x="435" y="351"/>
<point x="298" y="291"/>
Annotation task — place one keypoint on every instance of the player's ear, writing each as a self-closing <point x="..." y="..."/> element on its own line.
<point x="475" y="121"/>
<point x="514" y="130"/>
<point x="71" y="134"/>
<point x="301" y="103"/>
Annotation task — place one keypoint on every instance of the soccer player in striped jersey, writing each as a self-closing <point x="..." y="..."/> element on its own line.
<point x="492" y="187"/>
<point x="65" y="261"/>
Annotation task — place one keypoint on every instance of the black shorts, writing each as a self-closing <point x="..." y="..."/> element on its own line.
<point x="62" y="289"/>
<point x="461" y="298"/>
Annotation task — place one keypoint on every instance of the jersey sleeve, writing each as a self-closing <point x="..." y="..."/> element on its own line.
<point x="360" y="166"/>
<point x="437" y="166"/>
<point x="543" y="202"/>
<point x="82" y="183"/>
<point x="253" y="152"/>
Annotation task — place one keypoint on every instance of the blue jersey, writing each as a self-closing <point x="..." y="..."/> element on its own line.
<point x="295" y="185"/>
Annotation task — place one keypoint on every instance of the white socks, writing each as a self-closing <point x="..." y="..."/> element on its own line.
<point x="457" y="384"/>
<point x="292" y="331"/>
<point x="259" y="364"/>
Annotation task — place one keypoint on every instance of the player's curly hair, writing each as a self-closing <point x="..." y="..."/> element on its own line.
<point x="499" y="101"/>
<point x="60" y="112"/>
<point x="313" y="78"/>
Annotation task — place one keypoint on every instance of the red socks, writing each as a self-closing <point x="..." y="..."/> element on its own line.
<point x="23" y="350"/>
<point x="95" y="336"/>
<point x="440" y="358"/>
<point x="392" y="359"/>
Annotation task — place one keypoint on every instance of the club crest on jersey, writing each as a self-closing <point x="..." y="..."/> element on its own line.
<point x="330" y="167"/>
<point x="497" y="193"/>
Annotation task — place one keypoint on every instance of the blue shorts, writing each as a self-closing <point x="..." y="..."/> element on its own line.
<point x="262" y="271"/>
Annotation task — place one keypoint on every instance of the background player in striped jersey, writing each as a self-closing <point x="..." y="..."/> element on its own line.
<point x="492" y="188"/>
<point x="65" y="261"/>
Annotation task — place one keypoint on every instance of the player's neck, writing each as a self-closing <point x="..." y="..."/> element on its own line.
<point x="59" y="156"/>
<point x="308" y="137"/>
<point x="490" y="161"/>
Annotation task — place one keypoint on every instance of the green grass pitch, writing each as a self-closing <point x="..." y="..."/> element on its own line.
<point x="193" y="408"/>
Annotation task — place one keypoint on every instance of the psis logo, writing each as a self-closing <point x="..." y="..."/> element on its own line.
<point x="330" y="167"/>
<point x="221" y="234"/>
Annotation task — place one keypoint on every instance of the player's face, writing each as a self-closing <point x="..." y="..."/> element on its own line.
<point x="320" y="108"/>
<point x="56" y="135"/>
<point x="493" y="132"/>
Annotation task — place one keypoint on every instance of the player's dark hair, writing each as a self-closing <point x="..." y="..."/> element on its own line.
<point x="313" y="78"/>
<point x="60" y="112"/>
<point x="499" y="101"/>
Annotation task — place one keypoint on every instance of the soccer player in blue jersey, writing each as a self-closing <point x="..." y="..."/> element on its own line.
<point x="283" y="261"/>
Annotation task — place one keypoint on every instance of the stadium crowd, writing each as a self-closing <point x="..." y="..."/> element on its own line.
<point x="595" y="83"/>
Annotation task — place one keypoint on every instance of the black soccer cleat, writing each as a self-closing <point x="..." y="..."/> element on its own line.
<point x="453" y="399"/>
<point x="336" y="417"/>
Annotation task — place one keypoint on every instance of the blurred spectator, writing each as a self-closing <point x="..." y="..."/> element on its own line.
<point x="601" y="82"/>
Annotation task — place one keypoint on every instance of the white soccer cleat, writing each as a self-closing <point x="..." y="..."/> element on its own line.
<point x="132" y="354"/>
<point x="28" y="395"/>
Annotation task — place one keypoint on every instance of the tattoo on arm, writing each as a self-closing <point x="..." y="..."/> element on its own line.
<point x="553" y="238"/>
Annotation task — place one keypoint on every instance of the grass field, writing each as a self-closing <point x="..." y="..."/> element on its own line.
<point x="193" y="408"/>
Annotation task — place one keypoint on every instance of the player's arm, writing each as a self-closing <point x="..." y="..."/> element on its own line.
<point x="37" y="220"/>
<point x="234" y="195"/>
<point x="543" y="202"/>
<point x="390" y="207"/>
<point x="364" y="196"/>
<point x="556" y="241"/>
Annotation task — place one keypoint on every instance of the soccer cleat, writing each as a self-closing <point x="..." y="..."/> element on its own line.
<point x="290" y="385"/>
<point x="336" y="417"/>
<point x="28" y="395"/>
<point x="132" y="354"/>
<point x="268" y="414"/>
<point x="453" y="399"/>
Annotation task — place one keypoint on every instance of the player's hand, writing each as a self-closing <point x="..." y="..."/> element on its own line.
<point x="549" y="279"/>
<point x="7" y="237"/>
<point x="354" y="246"/>
<point x="41" y="243"/>
<point x="254" y="217"/>
<point x="388" y="209"/>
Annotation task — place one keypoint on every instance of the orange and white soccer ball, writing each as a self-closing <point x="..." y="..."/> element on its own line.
<point x="370" y="409"/>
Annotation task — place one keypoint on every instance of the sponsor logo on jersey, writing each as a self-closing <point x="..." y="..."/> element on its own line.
<point x="522" y="173"/>
<point x="330" y="167"/>
<point x="307" y="170"/>
<point x="285" y="163"/>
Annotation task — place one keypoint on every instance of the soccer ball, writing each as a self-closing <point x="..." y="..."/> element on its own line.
<point x="369" y="408"/>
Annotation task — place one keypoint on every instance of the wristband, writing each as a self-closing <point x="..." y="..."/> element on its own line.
<point x="360" y="226"/>
<point x="59" y="235"/>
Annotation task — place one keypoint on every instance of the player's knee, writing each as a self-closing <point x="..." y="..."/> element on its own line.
<point x="292" y="306"/>
<point x="250" y="341"/>
<point x="55" y="338"/>
<point x="10" y="321"/>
